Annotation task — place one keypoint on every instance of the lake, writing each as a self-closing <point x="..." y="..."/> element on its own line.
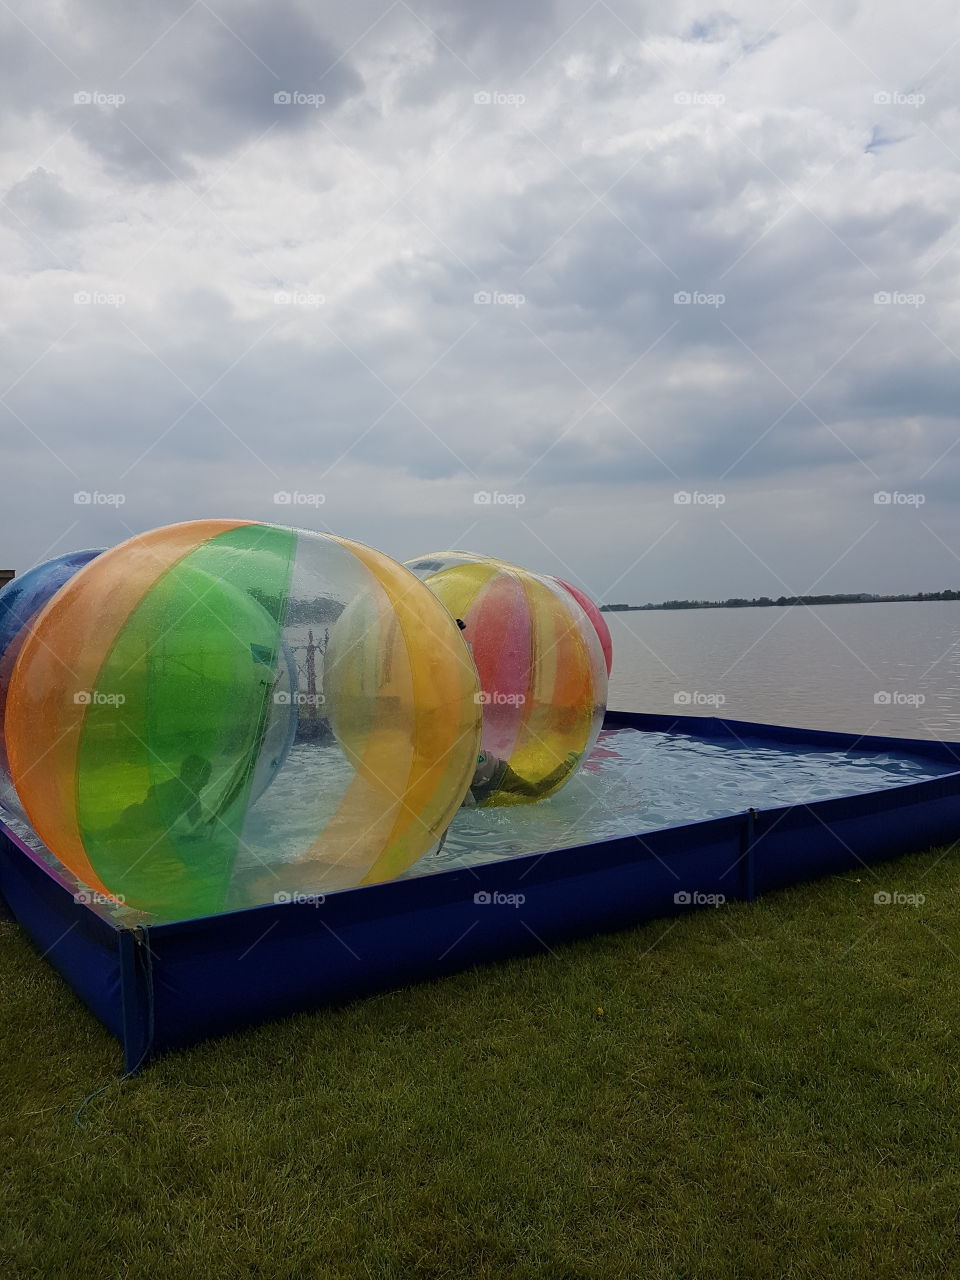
<point x="860" y="668"/>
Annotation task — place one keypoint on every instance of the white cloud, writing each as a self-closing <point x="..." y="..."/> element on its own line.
<point x="652" y="153"/>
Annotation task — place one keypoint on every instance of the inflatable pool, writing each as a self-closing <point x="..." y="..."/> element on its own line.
<point x="776" y="806"/>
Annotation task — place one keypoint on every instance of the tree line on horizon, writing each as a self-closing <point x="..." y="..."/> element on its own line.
<point x="759" y="602"/>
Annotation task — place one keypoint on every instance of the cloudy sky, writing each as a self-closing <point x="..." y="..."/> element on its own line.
<point x="672" y="289"/>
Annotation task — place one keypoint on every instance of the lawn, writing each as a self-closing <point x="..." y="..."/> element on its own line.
<point x="750" y="1092"/>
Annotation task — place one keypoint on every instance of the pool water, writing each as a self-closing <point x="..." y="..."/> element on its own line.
<point x="635" y="782"/>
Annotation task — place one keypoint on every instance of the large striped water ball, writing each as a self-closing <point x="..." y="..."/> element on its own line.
<point x="223" y="713"/>
<point x="541" y="669"/>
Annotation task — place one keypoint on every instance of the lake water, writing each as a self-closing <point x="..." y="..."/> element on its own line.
<point x="860" y="668"/>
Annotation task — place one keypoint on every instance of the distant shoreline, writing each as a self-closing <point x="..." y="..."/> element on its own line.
<point x="782" y="602"/>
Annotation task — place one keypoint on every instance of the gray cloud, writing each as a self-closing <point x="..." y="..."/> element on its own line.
<point x="155" y="91"/>
<point x="41" y="200"/>
<point x="622" y="158"/>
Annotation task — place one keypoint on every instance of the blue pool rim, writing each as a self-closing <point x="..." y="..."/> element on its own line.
<point x="166" y="986"/>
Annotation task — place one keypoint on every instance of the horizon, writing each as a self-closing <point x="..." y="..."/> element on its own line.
<point x="765" y="602"/>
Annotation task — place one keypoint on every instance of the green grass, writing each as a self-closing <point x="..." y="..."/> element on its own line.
<point x="771" y="1090"/>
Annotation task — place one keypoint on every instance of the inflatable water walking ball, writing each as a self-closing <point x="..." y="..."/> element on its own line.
<point x="20" y="602"/>
<point x="223" y="713"/>
<point x="541" y="669"/>
<point x="596" y="617"/>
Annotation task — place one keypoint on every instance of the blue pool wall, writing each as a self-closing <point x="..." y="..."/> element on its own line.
<point x="163" y="987"/>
